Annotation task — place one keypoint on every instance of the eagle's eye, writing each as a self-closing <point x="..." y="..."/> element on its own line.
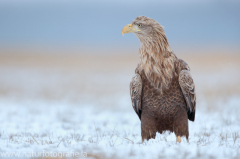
<point x="139" y="25"/>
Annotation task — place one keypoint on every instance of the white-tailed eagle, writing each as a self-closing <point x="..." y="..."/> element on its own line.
<point x="162" y="90"/>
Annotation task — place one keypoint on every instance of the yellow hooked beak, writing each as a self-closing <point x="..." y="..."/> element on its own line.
<point x="130" y="29"/>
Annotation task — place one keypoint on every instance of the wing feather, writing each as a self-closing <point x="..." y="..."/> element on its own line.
<point x="188" y="88"/>
<point x="136" y="94"/>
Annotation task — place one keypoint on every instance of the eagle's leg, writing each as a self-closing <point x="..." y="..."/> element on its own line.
<point x="148" y="128"/>
<point x="179" y="139"/>
<point x="180" y="124"/>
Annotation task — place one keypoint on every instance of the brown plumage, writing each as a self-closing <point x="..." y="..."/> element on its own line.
<point x="162" y="90"/>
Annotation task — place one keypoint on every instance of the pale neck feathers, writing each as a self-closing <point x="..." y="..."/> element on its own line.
<point x="156" y="58"/>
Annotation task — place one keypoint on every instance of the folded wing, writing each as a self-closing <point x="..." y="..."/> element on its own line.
<point x="188" y="88"/>
<point x="135" y="93"/>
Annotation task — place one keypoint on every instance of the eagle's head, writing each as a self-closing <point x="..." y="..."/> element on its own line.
<point x="141" y="26"/>
<point x="148" y="31"/>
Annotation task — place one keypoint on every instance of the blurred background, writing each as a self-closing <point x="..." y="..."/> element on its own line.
<point x="74" y="51"/>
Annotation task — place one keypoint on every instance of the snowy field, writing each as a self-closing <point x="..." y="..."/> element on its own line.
<point x="79" y="106"/>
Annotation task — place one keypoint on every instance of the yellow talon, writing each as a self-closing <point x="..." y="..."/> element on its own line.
<point x="179" y="139"/>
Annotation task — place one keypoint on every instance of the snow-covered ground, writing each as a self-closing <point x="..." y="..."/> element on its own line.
<point x="49" y="112"/>
<point x="37" y="126"/>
